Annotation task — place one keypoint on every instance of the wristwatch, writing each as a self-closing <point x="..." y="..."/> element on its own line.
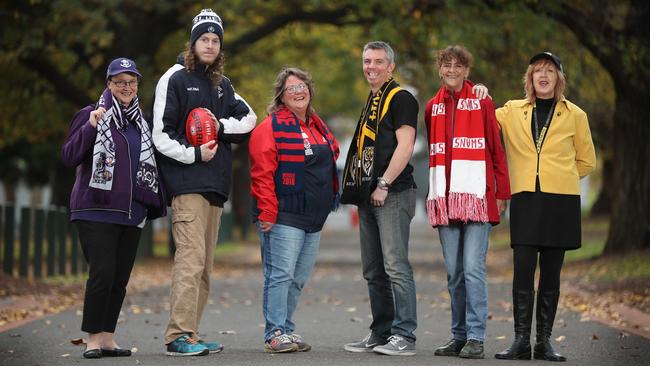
<point x="382" y="183"/>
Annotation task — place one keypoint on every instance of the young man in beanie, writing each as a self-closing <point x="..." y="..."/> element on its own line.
<point x="197" y="178"/>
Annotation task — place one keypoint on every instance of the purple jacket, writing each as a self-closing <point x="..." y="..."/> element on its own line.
<point x="77" y="151"/>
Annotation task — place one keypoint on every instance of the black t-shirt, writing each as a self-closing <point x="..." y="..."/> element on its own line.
<point x="403" y="110"/>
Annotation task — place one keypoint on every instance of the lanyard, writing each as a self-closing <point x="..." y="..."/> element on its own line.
<point x="539" y="136"/>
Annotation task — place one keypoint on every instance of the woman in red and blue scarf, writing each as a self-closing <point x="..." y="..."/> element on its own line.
<point x="468" y="189"/>
<point x="295" y="186"/>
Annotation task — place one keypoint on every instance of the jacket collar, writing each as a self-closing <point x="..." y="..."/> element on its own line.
<point x="563" y="101"/>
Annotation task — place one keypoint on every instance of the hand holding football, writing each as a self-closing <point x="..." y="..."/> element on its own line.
<point x="200" y="127"/>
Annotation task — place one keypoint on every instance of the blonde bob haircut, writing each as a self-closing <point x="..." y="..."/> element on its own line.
<point x="529" y="87"/>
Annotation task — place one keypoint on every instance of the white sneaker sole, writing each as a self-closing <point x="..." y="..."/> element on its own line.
<point x="357" y="349"/>
<point x="180" y="354"/>
<point x="390" y="352"/>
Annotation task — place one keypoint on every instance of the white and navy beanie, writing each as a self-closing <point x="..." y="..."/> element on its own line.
<point x="206" y="21"/>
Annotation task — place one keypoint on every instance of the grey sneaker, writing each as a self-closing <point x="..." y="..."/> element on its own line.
<point x="365" y="345"/>
<point x="396" y="346"/>
<point x="280" y="343"/>
<point x="302" y="345"/>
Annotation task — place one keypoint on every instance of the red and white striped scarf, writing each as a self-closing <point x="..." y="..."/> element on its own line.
<point x="466" y="201"/>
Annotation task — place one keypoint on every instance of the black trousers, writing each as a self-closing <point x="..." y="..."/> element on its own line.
<point x="110" y="251"/>
<point x="525" y="263"/>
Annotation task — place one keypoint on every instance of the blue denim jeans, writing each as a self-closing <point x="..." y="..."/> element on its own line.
<point x="384" y="236"/>
<point x="288" y="257"/>
<point x="464" y="247"/>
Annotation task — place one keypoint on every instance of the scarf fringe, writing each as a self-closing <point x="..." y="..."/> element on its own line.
<point x="437" y="211"/>
<point x="467" y="207"/>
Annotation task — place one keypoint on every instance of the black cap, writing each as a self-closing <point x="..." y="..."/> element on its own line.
<point x="548" y="56"/>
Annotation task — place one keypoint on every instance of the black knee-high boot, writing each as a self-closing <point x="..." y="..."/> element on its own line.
<point x="546" y="308"/>
<point x="522" y="308"/>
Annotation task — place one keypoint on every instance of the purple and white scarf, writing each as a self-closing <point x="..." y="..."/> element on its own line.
<point x="104" y="150"/>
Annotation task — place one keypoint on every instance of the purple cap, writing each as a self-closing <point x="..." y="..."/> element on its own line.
<point x="120" y="65"/>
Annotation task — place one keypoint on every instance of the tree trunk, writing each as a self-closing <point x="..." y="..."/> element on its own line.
<point x="603" y="204"/>
<point x="10" y="191"/>
<point x="630" y="220"/>
<point x="241" y="199"/>
<point x="62" y="181"/>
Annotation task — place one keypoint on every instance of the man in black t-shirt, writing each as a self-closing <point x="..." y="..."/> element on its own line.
<point x="379" y="180"/>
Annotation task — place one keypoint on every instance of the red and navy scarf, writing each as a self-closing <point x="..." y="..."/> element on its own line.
<point x="290" y="144"/>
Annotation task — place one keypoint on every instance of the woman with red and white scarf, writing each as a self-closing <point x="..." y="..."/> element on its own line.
<point x="468" y="190"/>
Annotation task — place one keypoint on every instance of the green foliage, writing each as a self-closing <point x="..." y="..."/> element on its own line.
<point x="53" y="55"/>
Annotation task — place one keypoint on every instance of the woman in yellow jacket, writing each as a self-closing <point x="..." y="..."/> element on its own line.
<point x="549" y="148"/>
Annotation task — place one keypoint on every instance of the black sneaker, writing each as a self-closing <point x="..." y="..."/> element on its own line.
<point x="366" y="344"/>
<point x="451" y="348"/>
<point x="472" y="349"/>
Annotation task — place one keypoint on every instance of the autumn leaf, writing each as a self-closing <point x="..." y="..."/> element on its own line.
<point x="78" y="341"/>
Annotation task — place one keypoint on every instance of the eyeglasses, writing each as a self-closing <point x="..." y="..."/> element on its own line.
<point x="293" y="89"/>
<point x="122" y="83"/>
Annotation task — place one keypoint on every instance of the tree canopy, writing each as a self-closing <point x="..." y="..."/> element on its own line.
<point x="53" y="57"/>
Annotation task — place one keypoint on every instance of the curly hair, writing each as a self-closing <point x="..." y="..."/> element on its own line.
<point x="215" y="70"/>
<point x="278" y="87"/>
<point x="460" y="53"/>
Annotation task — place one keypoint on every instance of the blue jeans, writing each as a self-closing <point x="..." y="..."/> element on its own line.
<point x="288" y="257"/>
<point x="384" y="236"/>
<point x="464" y="247"/>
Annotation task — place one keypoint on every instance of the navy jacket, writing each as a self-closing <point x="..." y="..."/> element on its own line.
<point x="177" y="93"/>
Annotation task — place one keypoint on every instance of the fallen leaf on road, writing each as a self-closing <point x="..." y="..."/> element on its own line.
<point x="351" y="309"/>
<point x="560" y="338"/>
<point x="356" y="319"/>
<point x="65" y="355"/>
<point x="501" y="337"/>
<point x="227" y="332"/>
<point x="134" y="349"/>
<point x="78" y="341"/>
<point x="594" y="337"/>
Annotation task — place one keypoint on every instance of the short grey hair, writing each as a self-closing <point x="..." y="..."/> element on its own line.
<point x="381" y="45"/>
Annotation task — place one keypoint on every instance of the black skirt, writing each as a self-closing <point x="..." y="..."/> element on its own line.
<point x="545" y="220"/>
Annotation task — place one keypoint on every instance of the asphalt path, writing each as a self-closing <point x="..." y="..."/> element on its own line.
<point x="333" y="310"/>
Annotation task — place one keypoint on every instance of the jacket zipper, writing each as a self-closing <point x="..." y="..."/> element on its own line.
<point x="128" y="150"/>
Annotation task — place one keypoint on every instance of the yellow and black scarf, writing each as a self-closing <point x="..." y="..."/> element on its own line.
<point x="359" y="173"/>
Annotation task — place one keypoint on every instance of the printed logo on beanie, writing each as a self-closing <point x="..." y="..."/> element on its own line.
<point x="206" y="16"/>
<point x="206" y="21"/>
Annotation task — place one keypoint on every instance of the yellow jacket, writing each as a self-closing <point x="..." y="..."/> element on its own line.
<point x="567" y="153"/>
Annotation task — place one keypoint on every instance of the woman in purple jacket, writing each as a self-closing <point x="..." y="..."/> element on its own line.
<point x="117" y="187"/>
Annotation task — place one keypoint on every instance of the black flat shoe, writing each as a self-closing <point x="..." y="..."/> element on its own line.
<point x="116" y="352"/>
<point x="92" y="353"/>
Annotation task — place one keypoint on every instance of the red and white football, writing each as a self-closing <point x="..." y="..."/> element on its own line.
<point x="200" y="128"/>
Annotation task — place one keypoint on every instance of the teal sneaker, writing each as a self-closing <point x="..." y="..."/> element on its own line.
<point x="186" y="346"/>
<point x="213" y="347"/>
